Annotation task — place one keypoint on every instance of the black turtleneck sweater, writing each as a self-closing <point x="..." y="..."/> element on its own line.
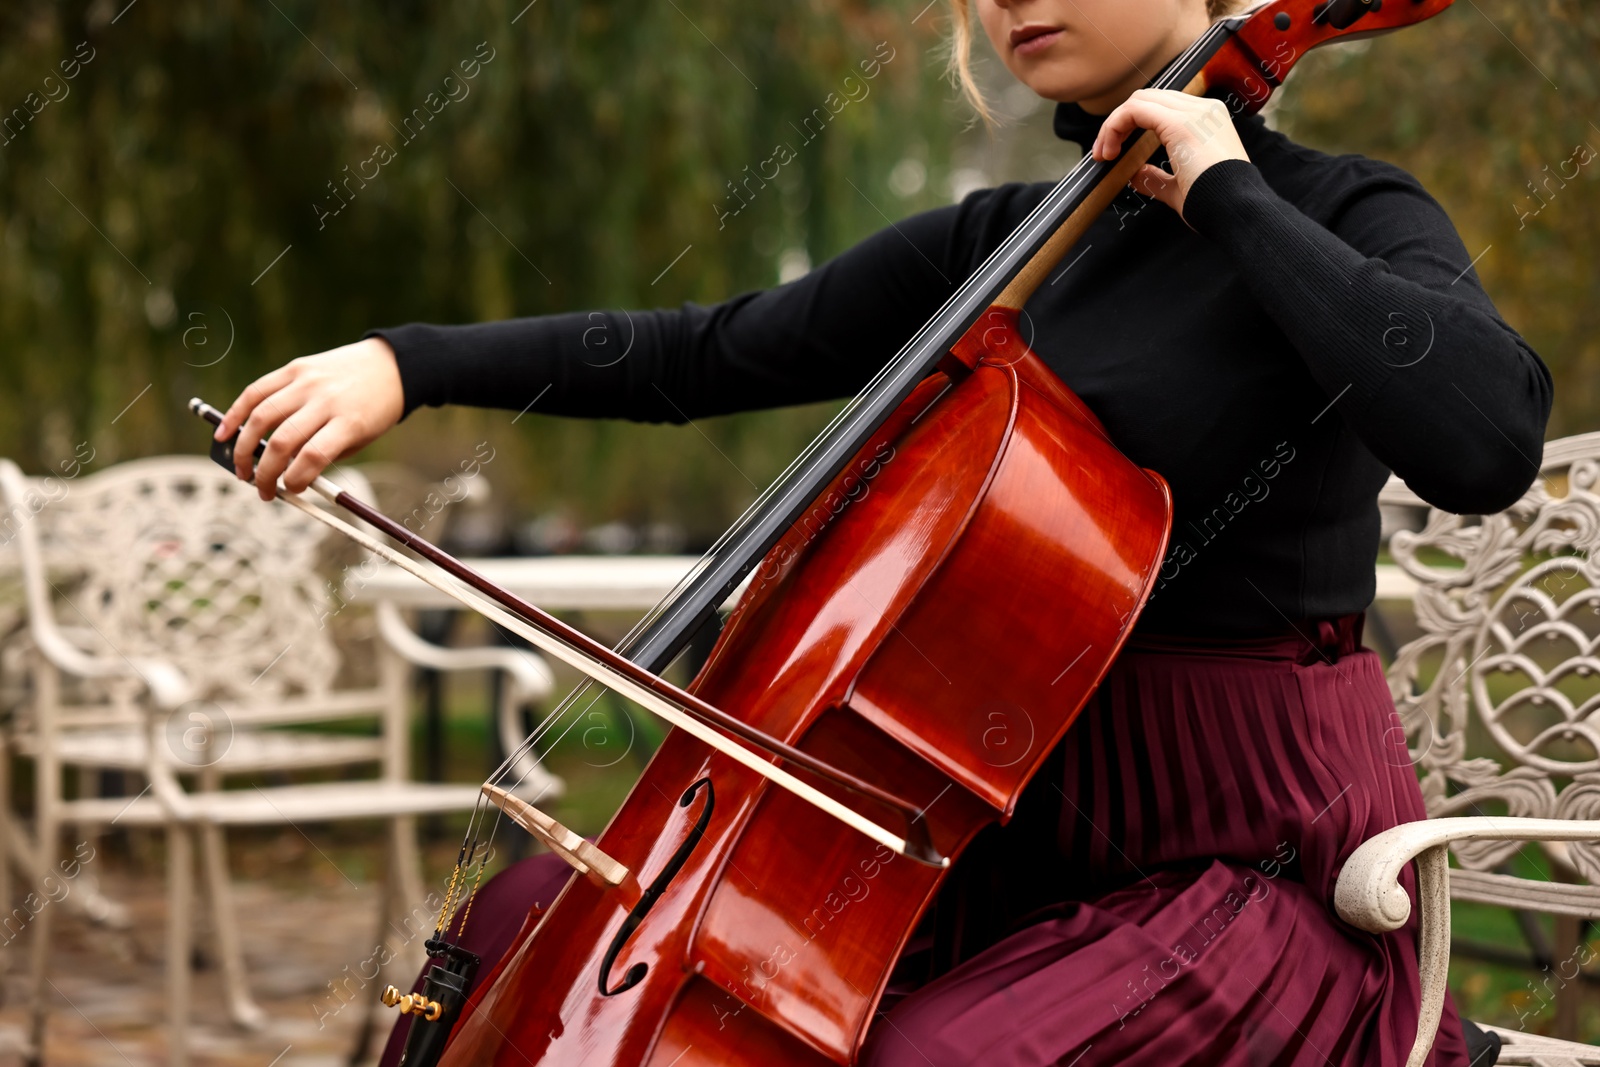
<point x="1314" y="326"/>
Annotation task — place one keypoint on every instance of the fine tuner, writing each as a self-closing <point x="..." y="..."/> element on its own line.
<point x="412" y="1004"/>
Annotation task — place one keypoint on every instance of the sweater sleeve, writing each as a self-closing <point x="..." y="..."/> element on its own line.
<point x="819" y="337"/>
<point x="1385" y="309"/>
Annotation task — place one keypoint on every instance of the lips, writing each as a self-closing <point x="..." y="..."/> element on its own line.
<point x="1033" y="37"/>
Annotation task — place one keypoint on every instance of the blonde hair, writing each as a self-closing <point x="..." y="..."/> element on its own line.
<point x="959" y="63"/>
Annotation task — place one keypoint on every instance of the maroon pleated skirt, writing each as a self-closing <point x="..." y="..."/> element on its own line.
<point x="1165" y="894"/>
<point x="1204" y="803"/>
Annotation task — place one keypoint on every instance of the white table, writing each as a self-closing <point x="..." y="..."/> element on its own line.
<point x="632" y="584"/>
<point x="611" y="583"/>
<point x="608" y="583"/>
<point x="554" y="583"/>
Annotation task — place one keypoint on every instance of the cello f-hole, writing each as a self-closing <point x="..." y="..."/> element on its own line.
<point x="647" y="900"/>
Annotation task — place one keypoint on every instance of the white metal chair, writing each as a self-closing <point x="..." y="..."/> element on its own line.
<point x="178" y="630"/>
<point x="1508" y="607"/>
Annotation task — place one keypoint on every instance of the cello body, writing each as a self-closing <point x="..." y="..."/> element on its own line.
<point x="942" y="579"/>
<point x="943" y="582"/>
<point x="934" y="624"/>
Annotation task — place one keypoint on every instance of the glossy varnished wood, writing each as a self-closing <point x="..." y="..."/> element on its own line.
<point x="933" y="625"/>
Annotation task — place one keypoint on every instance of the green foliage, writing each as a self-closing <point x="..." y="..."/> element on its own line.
<point x="1477" y="103"/>
<point x="144" y="210"/>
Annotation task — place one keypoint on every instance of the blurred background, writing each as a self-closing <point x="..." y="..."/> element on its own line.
<point x="177" y="217"/>
<point x="145" y="213"/>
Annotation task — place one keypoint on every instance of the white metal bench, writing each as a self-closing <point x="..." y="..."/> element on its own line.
<point x="1508" y="654"/>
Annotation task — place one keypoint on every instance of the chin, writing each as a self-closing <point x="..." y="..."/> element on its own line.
<point x="1062" y="87"/>
<point x="1064" y="79"/>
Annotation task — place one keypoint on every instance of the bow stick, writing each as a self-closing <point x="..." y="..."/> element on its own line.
<point x="555" y="638"/>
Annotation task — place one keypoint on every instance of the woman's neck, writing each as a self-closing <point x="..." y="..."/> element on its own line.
<point x="1142" y="73"/>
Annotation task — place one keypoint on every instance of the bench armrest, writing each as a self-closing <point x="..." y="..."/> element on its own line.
<point x="529" y="680"/>
<point x="1368" y="894"/>
<point x="528" y="673"/>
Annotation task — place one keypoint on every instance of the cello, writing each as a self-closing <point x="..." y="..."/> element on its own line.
<point x="937" y="585"/>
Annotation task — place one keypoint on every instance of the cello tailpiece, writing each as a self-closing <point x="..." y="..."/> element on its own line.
<point x="434" y="1011"/>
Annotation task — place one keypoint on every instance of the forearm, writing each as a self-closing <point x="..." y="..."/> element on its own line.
<point x="657" y="366"/>
<point x="820" y="337"/>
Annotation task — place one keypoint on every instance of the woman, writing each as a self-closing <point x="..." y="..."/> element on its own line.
<point x="1275" y="336"/>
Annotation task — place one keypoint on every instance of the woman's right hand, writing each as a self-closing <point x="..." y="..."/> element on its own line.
<point x="318" y="409"/>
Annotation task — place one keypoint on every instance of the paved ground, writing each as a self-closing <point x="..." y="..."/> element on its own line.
<point x="107" y="1002"/>
<point x="307" y="910"/>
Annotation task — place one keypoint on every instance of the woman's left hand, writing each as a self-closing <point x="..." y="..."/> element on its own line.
<point x="1196" y="131"/>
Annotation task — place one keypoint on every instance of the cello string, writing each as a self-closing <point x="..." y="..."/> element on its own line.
<point x="478" y="840"/>
<point x="1087" y="173"/>
<point x="487" y="840"/>
<point x="673" y="604"/>
<point x="476" y="819"/>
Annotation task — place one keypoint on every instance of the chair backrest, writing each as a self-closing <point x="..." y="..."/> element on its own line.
<point x="172" y="558"/>
<point x="1499" y="695"/>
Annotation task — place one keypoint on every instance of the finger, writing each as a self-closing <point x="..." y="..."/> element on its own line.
<point x="332" y="441"/>
<point x="1152" y="181"/>
<point x="1155" y="182"/>
<point x="269" y="419"/>
<point x="1174" y="99"/>
<point x="1149" y="109"/>
<point x="1134" y="113"/>
<point x="285" y="444"/>
<point x="268" y="415"/>
<point x="254" y="393"/>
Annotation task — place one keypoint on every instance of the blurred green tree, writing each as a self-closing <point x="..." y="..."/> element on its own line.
<point x="1489" y="105"/>
<point x="174" y="200"/>
<point x="211" y="180"/>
